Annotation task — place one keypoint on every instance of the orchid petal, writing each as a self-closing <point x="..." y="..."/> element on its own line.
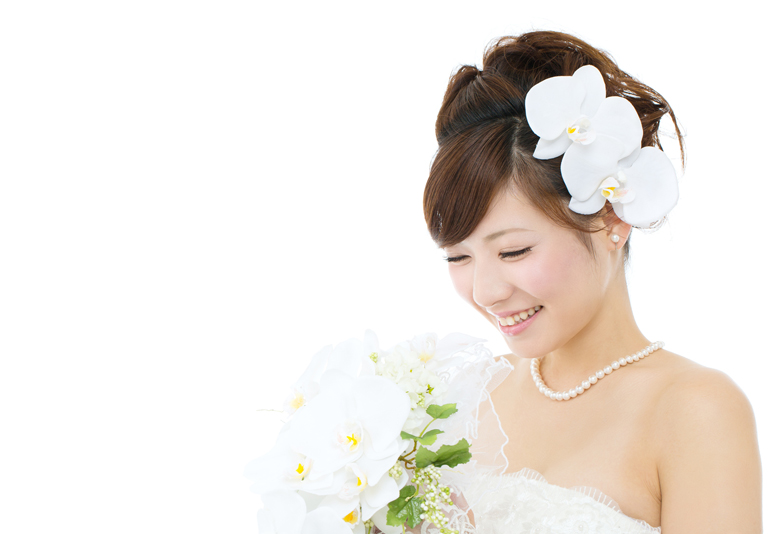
<point x="283" y="513"/>
<point x="588" y="207"/>
<point x="375" y="497"/>
<point x="325" y="521"/>
<point x="585" y="166"/>
<point x="380" y="520"/>
<point x="595" y="91"/>
<point x="342" y="507"/>
<point x="347" y="357"/>
<point x="551" y="105"/>
<point x="377" y="467"/>
<point x="552" y="148"/>
<point x="654" y="182"/>
<point x="618" y="119"/>
<point x="382" y="408"/>
<point x="316" y="368"/>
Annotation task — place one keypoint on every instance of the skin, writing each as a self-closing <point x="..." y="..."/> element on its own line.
<point x="672" y="442"/>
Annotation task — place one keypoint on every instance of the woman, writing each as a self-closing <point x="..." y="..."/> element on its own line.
<point x="536" y="186"/>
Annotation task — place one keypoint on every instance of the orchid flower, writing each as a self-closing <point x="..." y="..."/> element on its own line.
<point x="643" y="189"/>
<point x="352" y="420"/>
<point x="600" y="138"/>
<point x="357" y="493"/>
<point x="351" y="356"/>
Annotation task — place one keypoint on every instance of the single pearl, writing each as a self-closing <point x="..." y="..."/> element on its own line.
<point x="628" y="359"/>
<point x="608" y="370"/>
<point x="542" y="388"/>
<point x="586" y="384"/>
<point x="636" y="357"/>
<point x="572" y="393"/>
<point x="558" y="396"/>
<point x="616" y="365"/>
<point x="622" y="361"/>
<point x="593" y="379"/>
<point x="579" y="390"/>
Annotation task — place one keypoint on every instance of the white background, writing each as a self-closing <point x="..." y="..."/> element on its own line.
<point x="196" y="196"/>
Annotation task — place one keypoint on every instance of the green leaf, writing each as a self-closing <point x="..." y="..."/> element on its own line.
<point x="406" y="509"/>
<point x="451" y="455"/>
<point x="430" y="437"/>
<point x="441" y="412"/>
<point x="425" y="457"/>
<point x="427" y="439"/>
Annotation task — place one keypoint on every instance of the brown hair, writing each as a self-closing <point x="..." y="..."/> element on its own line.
<point x="485" y="145"/>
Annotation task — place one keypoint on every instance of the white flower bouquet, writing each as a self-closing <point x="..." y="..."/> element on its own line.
<point x="356" y="454"/>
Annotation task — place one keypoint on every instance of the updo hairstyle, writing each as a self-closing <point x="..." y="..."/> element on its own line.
<point x="485" y="146"/>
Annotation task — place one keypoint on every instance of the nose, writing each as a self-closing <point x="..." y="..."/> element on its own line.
<point x="490" y="285"/>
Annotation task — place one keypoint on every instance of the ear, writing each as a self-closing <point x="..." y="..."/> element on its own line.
<point x="613" y="225"/>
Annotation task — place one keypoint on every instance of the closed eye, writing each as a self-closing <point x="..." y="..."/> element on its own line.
<point x="515" y="253"/>
<point x="455" y="259"/>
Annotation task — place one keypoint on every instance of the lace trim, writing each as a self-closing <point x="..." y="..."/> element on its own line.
<point x="593" y="493"/>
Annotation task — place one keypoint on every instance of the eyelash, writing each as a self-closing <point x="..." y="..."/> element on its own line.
<point x="453" y="259"/>
<point x="504" y="255"/>
<point x="516" y="253"/>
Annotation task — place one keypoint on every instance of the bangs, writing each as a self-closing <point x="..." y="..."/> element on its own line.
<point x="468" y="172"/>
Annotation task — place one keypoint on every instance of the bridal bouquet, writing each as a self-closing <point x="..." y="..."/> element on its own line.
<point x="358" y="453"/>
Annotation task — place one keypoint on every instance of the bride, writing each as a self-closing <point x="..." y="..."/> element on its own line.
<point x="538" y="181"/>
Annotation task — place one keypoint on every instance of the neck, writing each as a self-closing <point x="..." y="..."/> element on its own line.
<point x="611" y="334"/>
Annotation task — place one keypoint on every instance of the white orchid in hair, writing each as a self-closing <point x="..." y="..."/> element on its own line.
<point x="599" y="138"/>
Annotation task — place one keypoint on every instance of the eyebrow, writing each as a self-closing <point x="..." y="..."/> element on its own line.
<point x="502" y="232"/>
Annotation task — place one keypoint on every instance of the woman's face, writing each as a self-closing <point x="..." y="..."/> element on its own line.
<point x="517" y="261"/>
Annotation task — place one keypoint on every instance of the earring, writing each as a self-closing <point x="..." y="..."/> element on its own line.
<point x="615" y="238"/>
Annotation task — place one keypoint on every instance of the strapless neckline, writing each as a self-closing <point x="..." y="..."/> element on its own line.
<point x="595" y="494"/>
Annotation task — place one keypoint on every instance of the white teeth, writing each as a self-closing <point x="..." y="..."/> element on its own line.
<point x="510" y="320"/>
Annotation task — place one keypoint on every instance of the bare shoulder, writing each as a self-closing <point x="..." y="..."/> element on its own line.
<point x="708" y="456"/>
<point x="692" y="394"/>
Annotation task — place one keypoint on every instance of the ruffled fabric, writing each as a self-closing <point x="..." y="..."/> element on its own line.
<point x="525" y="503"/>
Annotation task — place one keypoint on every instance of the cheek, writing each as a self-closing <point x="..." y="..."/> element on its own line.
<point x="565" y="273"/>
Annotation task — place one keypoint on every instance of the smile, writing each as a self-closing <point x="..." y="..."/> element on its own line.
<point x="518" y="317"/>
<point x="514" y="324"/>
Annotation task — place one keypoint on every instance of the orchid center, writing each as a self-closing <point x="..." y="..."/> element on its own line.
<point x="350" y="436"/>
<point x="352" y="517"/>
<point x="355" y="484"/>
<point x="611" y="190"/>
<point x="302" y="468"/>
<point x="580" y="131"/>
<point x="297" y="401"/>
<point x="352" y="441"/>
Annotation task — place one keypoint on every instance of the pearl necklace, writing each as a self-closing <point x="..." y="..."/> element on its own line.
<point x="594" y="378"/>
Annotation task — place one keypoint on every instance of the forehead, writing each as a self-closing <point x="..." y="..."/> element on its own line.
<point x="510" y="209"/>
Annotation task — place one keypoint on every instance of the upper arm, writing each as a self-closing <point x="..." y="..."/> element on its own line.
<point x="709" y="464"/>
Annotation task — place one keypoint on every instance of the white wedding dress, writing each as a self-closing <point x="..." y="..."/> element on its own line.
<point x="522" y="502"/>
<point x="525" y="503"/>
